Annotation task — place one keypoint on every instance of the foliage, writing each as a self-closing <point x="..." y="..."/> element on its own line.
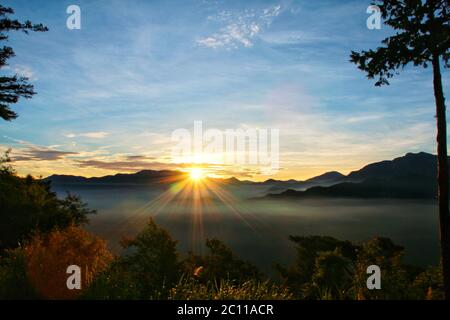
<point x="152" y="269"/>
<point x="14" y="283"/>
<point x="13" y="87"/>
<point x="309" y="249"/>
<point x="114" y="283"/>
<point x="220" y="264"/>
<point x="331" y="277"/>
<point x="38" y="269"/>
<point x="47" y="258"/>
<point x="5" y="164"/>
<point x="429" y="284"/>
<point x="147" y="270"/>
<point x="421" y="38"/>
<point x="27" y="205"/>
<point x="422" y="32"/>
<point x="191" y="289"/>
<point x="327" y="268"/>
<point x="152" y="260"/>
<point x="396" y="279"/>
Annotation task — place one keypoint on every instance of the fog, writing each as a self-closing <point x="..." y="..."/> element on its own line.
<point x="258" y="230"/>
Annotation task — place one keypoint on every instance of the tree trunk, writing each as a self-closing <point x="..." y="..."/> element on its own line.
<point x="443" y="196"/>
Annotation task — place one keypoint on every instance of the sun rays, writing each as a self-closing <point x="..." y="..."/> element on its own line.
<point x="196" y="174"/>
<point x="193" y="194"/>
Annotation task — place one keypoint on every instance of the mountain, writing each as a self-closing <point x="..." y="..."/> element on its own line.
<point x="329" y="177"/>
<point x="144" y="177"/>
<point x="152" y="177"/>
<point x="326" y="179"/>
<point x="410" y="176"/>
<point x="411" y="165"/>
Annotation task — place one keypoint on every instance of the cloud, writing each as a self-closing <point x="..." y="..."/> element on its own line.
<point x="92" y="135"/>
<point x="120" y="165"/>
<point x="41" y="154"/>
<point x="133" y="163"/>
<point x="128" y="164"/>
<point x="239" y="27"/>
<point x="365" y="118"/>
<point x="23" y="71"/>
<point x="315" y="138"/>
<point x="241" y="173"/>
<point x="290" y="37"/>
<point x="139" y="157"/>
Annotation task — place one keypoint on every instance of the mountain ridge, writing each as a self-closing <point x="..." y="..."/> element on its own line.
<point x="411" y="175"/>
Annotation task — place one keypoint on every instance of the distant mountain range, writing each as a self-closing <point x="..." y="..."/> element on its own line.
<point x="409" y="176"/>
<point x="144" y="177"/>
<point x="154" y="178"/>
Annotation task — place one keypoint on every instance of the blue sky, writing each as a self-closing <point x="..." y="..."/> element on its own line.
<point x="110" y="94"/>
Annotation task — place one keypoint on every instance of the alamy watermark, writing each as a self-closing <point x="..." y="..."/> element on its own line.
<point x="74" y="280"/>
<point x="73" y="21"/>
<point x="373" y="22"/>
<point x="374" y="280"/>
<point x="250" y="146"/>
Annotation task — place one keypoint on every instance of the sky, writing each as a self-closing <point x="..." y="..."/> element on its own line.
<point x="110" y="95"/>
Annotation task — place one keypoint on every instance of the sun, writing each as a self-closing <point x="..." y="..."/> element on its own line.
<point x="196" y="174"/>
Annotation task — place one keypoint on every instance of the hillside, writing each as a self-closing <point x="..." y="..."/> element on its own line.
<point x="410" y="176"/>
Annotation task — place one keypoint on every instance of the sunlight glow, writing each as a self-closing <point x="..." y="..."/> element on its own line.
<point x="196" y="174"/>
<point x="195" y="194"/>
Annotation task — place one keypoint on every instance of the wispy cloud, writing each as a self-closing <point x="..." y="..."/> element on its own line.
<point x="295" y="37"/>
<point x="239" y="27"/>
<point x="41" y="154"/>
<point x="365" y="118"/>
<point x="22" y="71"/>
<point x="92" y="135"/>
<point x="313" y="139"/>
<point x="125" y="165"/>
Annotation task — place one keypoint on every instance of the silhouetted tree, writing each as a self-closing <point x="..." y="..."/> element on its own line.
<point x="28" y="205"/>
<point x="48" y="256"/>
<point x="422" y="38"/>
<point x="220" y="263"/>
<point x="37" y="269"/>
<point x="317" y="257"/>
<point x="396" y="277"/>
<point x="152" y="261"/>
<point x="13" y="87"/>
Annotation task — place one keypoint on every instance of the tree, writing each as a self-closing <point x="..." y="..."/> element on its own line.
<point x="47" y="258"/>
<point x="37" y="270"/>
<point x="13" y="87"/>
<point x="14" y="282"/>
<point x="396" y="277"/>
<point x="422" y="38"/>
<point x="428" y="284"/>
<point x="332" y="272"/>
<point x="152" y="261"/>
<point x="28" y="205"/>
<point x="315" y="253"/>
<point x="220" y="263"/>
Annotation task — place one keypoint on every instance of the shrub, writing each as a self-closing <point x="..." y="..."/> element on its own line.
<point x="14" y="283"/>
<point x="220" y="263"/>
<point x="396" y="281"/>
<point x="190" y="289"/>
<point x="429" y="284"/>
<point x="151" y="262"/>
<point x="27" y="205"/>
<point x="48" y="256"/>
